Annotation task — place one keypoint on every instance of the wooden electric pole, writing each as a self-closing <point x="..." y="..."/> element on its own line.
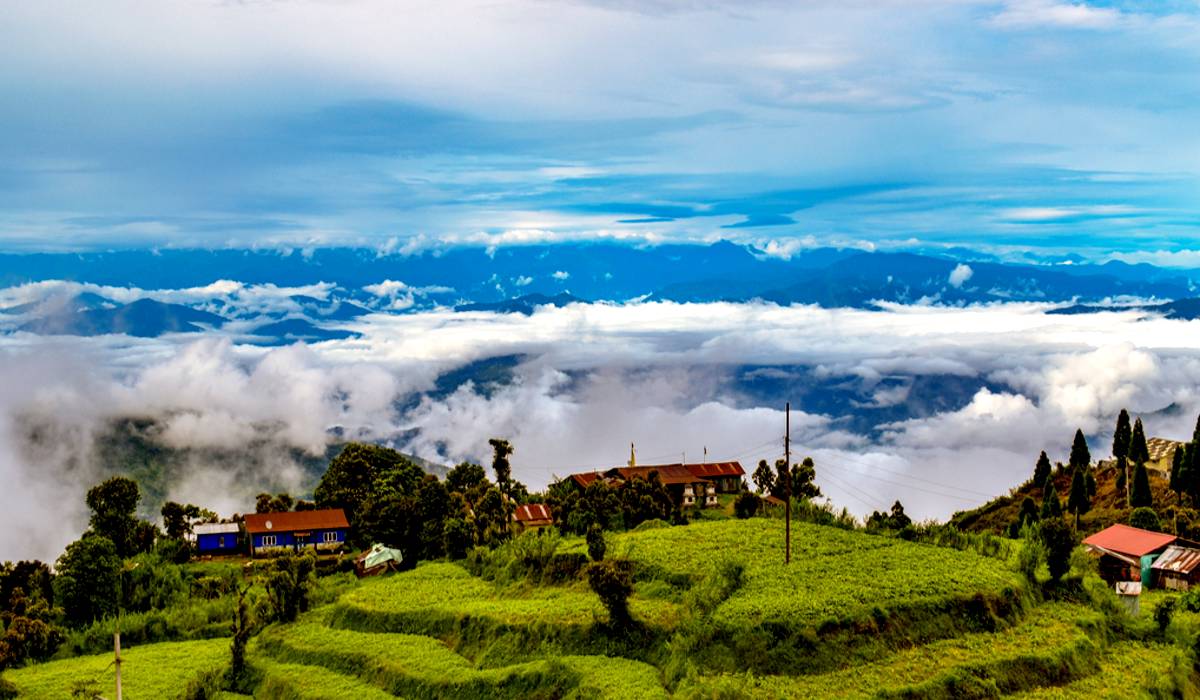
<point x="787" y="470"/>
<point x="117" y="652"/>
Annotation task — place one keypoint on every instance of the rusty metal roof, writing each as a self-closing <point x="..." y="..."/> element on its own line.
<point x="327" y="519"/>
<point x="531" y="512"/>
<point x="1180" y="560"/>
<point x="1129" y="541"/>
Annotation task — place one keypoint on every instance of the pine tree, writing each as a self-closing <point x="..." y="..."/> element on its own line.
<point x="1138" y="453"/>
<point x="1051" y="506"/>
<point x="1140" y="496"/>
<point x="1177" y="474"/>
<point x="1078" y="502"/>
<point x="1081" y="456"/>
<point x="1042" y="469"/>
<point x="1120" y="447"/>
<point x="1196" y="432"/>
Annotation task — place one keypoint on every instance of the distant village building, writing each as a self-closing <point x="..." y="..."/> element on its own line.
<point x="274" y="533"/>
<point x="688" y="484"/>
<point x="216" y="538"/>
<point x="1162" y="454"/>
<point x="533" y="516"/>
<point x="1127" y="553"/>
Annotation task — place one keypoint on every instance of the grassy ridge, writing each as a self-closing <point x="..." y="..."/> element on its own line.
<point x="154" y="671"/>
<point x="1128" y="670"/>
<point x="418" y="666"/>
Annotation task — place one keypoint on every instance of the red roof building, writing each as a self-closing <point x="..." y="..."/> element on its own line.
<point x="1121" y="549"/>
<point x="688" y="483"/>
<point x="533" y="515"/>
<point x="322" y="530"/>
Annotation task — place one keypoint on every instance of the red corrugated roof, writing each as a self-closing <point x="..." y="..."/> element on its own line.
<point x="532" y="511"/>
<point x="1129" y="541"/>
<point x="716" y="469"/>
<point x="328" y="519"/>
<point x="667" y="473"/>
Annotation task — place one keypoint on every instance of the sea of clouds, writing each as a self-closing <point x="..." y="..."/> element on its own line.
<point x="592" y="379"/>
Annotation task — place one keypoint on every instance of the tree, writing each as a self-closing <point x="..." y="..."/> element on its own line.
<point x="801" y="478"/>
<point x="764" y="477"/>
<point x="501" y="450"/>
<point x="465" y="477"/>
<point x="1051" y="506"/>
<point x="27" y="632"/>
<point x="1028" y="515"/>
<point x="457" y="537"/>
<point x="433" y="506"/>
<point x="177" y="519"/>
<point x="645" y="499"/>
<point x="1059" y="540"/>
<point x="1145" y="519"/>
<point x="1178" y="474"/>
<point x="288" y="585"/>
<point x="746" y="505"/>
<point x="1138" y="453"/>
<point x="1042" y="470"/>
<point x="114" y="505"/>
<point x="1081" y="456"/>
<point x="899" y="519"/>
<point x="242" y="628"/>
<point x="596" y="545"/>
<point x="1140" y="495"/>
<point x="89" y="574"/>
<point x="1078" y="501"/>
<point x="360" y="480"/>
<point x="31" y="577"/>
<point x="1120" y="447"/>
<point x="613" y="582"/>
<point x="393" y="520"/>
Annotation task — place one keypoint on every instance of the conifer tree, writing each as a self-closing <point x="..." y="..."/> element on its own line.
<point x="1078" y="502"/>
<point x="1140" y="495"/>
<point x="1120" y="446"/>
<point x="1081" y="456"/>
<point x="1051" y="506"/>
<point x="1178" y="474"/>
<point x="1138" y="452"/>
<point x="1196" y="432"/>
<point x="1042" y="469"/>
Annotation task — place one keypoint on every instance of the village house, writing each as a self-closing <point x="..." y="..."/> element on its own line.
<point x="216" y="538"/>
<point x="1127" y="553"/>
<point x="274" y="533"/>
<point x="688" y="484"/>
<point x="1178" y="568"/>
<point x="532" y="516"/>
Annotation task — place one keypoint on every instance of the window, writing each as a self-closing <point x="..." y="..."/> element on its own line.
<point x="329" y="537"/>
<point x="268" y="541"/>
<point x="221" y="542"/>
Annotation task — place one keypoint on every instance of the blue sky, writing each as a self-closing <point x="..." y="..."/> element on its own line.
<point x="1028" y="125"/>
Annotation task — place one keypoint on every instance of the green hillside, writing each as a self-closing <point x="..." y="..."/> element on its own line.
<point x="717" y="614"/>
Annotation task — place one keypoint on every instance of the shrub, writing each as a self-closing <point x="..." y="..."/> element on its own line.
<point x="595" y="542"/>
<point x="457" y="537"/>
<point x="1058" y="540"/>
<point x="1144" y="518"/>
<point x="1163" y="614"/>
<point x="746" y="505"/>
<point x="288" y="586"/>
<point x="7" y="690"/>
<point x="612" y="581"/>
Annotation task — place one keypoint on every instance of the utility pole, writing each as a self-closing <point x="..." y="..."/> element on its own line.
<point x="117" y="652"/>
<point x="787" y="470"/>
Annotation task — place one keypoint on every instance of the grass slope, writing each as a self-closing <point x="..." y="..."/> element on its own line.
<point x="153" y="671"/>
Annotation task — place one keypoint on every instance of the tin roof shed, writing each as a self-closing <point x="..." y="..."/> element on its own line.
<point x="1129" y="541"/>
<point x="1177" y="559"/>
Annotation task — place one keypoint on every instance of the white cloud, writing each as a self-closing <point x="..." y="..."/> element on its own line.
<point x="1032" y="14"/>
<point x="562" y="275"/>
<point x="960" y="274"/>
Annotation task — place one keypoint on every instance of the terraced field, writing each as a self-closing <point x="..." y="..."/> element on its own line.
<point x="828" y="624"/>
<point x="151" y="671"/>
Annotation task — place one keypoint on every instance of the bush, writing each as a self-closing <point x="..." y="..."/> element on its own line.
<point x="1058" y="540"/>
<point x="7" y="690"/>
<point x="613" y="582"/>
<point x="746" y="505"/>
<point x="1144" y="518"/>
<point x="595" y="542"/>
<point x="1163" y="614"/>
<point x="457" y="538"/>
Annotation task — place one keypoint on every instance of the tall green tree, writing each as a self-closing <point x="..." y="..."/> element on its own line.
<point x="1140" y="495"/>
<point x="88" y="580"/>
<point x="465" y="477"/>
<point x="1138" y="452"/>
<point x="1178" y="474"/>
<point x="114" y="506"/>
<point x="764" y="477"/>
<point x="501" y="451"/>
<point x="1120" y="447"/>
<point x="1081" y="456"/>
<point x="1041" y="471"/>
<point x="1078" y="501"/>
<point x="1051" y="506"/>
<point x="1059" y="540"/>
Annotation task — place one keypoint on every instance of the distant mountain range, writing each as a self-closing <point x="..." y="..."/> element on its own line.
<point x="520" y="279"/>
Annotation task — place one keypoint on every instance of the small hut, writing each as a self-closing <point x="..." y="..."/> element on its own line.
<point x="1178" y="568"/>
<point x="1127" y="553"/>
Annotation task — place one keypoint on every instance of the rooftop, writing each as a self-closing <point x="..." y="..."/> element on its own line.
<point x="328" y="519"/>
<point x="1130" y="541"/>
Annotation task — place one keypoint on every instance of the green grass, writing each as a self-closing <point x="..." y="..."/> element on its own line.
<point x="432" y="598"/>
<point x="1128" y="670"/>
<point x="834" y="573"/>
<point x="153" y="671"/>
<point x="1049" y="646"/>
<point x="283" y="681"/>
<point x="418" y="666"/>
